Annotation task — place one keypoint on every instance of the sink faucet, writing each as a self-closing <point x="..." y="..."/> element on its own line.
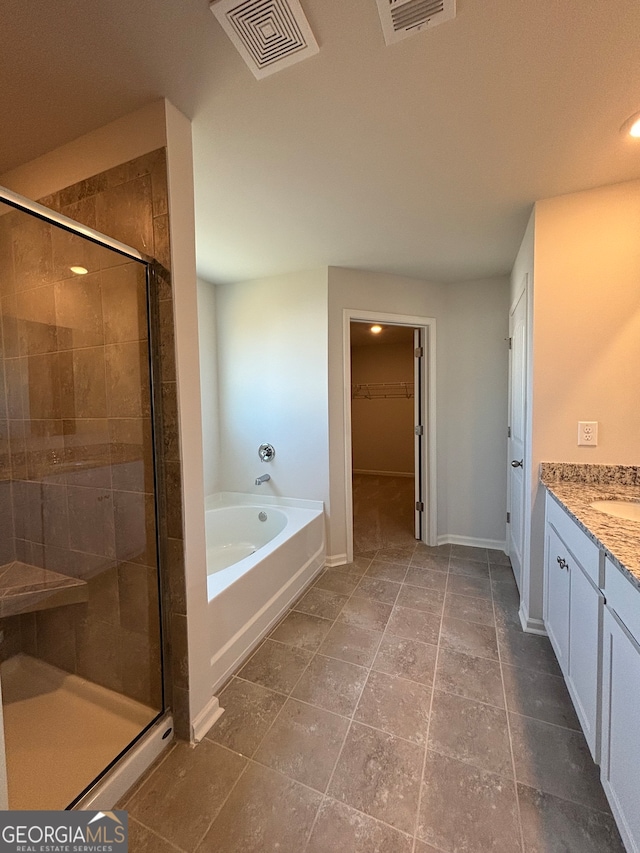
<point x="262" y="479"/>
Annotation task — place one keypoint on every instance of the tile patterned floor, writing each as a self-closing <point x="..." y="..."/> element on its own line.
<point x="397" y="708"/>
<point x="382" y="511"/>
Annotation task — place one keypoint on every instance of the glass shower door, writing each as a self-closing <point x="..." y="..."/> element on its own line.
<point x="80" y="627"/>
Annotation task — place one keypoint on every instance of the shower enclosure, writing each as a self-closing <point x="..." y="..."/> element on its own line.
<point x="80" y="618"/>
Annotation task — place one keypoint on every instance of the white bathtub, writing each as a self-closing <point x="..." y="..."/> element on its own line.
<point x="256" y="568"/>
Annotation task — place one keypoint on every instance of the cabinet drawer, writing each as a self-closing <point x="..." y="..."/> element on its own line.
<point x="583" y="549"/>
<point x="623" y="597"/>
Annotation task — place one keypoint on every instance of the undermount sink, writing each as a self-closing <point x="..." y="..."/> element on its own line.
<point x="619" y="509"/>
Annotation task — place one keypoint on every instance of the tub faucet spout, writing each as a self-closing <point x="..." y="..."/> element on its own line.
<point x="262" y="479"/>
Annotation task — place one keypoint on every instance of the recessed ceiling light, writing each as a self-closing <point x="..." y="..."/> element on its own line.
<point x="79" y="270"/>
<point x="632" y="126"/>
<point x="375" y="330"/>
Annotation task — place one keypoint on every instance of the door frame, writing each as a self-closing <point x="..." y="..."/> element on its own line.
<point x="522" y="295"/>
<point x="428" y="325"/>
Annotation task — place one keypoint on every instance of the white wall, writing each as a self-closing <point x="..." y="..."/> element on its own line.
<point x="474" y="394"/>
<point x="382" y="428"/>
<point x="471" y="380"/>
<point x="207" y="335"/>
<point x="586" y="338"/>
<point x="272" y="370"/>
<point x="185" y="309"/>
<point x="117" y="142"/>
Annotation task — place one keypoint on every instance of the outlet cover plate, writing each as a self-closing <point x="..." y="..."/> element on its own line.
<point x="588" y="433"/>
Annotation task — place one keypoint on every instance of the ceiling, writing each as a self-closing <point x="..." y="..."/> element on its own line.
<point x="421" y="159"/>
<point x="362" y="336"/>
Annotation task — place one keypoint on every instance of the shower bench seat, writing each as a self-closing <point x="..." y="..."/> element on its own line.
<point x="25" y="589"/>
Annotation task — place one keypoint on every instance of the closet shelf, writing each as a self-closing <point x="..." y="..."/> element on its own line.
<point x="381" y="390"/>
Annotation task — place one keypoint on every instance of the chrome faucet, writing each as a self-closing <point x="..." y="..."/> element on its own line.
<point x="262" y="479"/>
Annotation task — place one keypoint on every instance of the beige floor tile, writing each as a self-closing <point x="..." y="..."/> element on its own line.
<point x="265" y="813"/>
<point x="552" y="825"/>
<point x="303" y="743"/>
<point x="321" y="602"/>
<point x="471" y="677"/>
<point x="471" y="732"/>
<point x="337" y="581"/>
<point x="302" y="630"/>
<point x="143" y="840"/>
<point x="469" y="638"/>
<point x="539" y="695"/>
<point x="334" y="685"/>
<point x="379" y="774"/>
<point x="498" y="558"/>
<point x="399" y="555"/>
<point x="249" y="711"/>
<point x="276" y="666"/>
<point x="467" y="585"/>
<point x="182" y="797"/>
<point x="466" y="809"/>
<point x="471" y="609"/>
<point x="426" y="577"/>
<point x="377" y="590"/>
<point x="395" y="705"/>
<point x="414" y="625"/>
<point x="435" y="562"/>
<point x="469" y="568"/>
<point x="387" y="571"/>
<point x="351" y="643"/>
<point x="340" y="828"/>
<point x="435" y="550"/>
<point x="555" y="760"/>
<point x="419" y="598"/>
<point x="364" y="613"/>
<point x="526" y="650"/>
<point x="406" y="658"/>
<point x="467" y="552"/>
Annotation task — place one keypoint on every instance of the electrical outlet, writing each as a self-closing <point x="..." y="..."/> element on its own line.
<point x="588" y="433"/>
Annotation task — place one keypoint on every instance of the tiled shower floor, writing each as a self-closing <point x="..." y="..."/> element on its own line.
<point x="398" y="708"/>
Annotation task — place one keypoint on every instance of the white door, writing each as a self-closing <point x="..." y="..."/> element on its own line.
<point x="516" y="433"/>
<point x="418" y="420"/>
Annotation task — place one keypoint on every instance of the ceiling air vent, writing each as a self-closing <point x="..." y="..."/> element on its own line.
<point x="403" y="18"/>
<point x="269" y="34"/>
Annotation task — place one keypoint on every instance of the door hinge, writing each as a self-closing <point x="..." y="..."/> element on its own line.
<point x="419" y="430"/>
<point x="508" y="432"/>
<point x="510" y="343"/>
<point x="419" y="506"/>
<point x="508" y="518"/>
<point x="418" y="352"/>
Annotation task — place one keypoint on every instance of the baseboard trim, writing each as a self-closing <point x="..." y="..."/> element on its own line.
<point x="384" y="473"/>
<point x="530" y="625"/>
<point x="473" y="542"/>
<point x="336" y="560"/>
<point x="205" y="719"/>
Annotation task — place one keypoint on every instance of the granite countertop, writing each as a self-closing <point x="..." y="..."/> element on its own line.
<point x="575" y="487"/>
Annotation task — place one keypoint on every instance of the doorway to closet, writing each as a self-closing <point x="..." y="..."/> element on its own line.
<point x="390" y="437"/>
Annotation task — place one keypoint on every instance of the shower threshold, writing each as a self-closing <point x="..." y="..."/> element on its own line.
<point x="61" y="731"/>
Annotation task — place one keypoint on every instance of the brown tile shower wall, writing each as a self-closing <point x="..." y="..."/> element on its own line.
<point x="72" y="363"/>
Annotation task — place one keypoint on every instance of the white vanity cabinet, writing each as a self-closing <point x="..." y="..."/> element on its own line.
<point x="573" y="615"/>
<point x="620" y="759"/>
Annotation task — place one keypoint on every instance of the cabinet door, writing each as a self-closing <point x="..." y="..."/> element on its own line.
<point x="620" y="728"/>
<point x="556" y="615"/>
<point x="583" y="679"/>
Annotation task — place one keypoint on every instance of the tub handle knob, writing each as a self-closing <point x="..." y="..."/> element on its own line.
<point x="266" y="452"/>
